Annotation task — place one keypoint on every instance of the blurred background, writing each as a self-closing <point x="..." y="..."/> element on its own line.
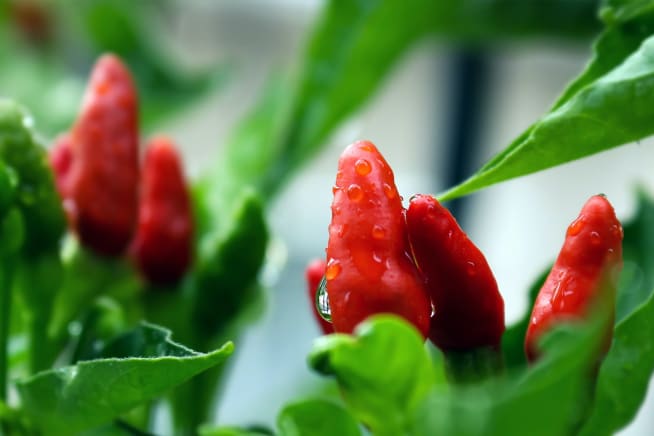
<point x="443" y="110"/>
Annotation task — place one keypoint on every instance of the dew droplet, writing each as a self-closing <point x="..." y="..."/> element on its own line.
<point x="362" y="167"/>
<point x="335" y="189"/>
<point x="576" y="226"/>
<point x="595" y="238"/>
<point x="389" y="191"/>
<point x="336" y="210"/>
<point x="378" y="232"/>
<point x="617" y="231"/>
<point x="333" y="269"/>
<point x="341" y="230"/>
<point x="471" y="268"/>
<point x="322" y="301"/>
<point x="433" y="310"/>
<point x="376" y="257"/>
<point x="354" y="192"/>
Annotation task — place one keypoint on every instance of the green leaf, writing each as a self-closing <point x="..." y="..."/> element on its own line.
<point x="316" y="418"/>
<point x="549" y="398"/>
<point x="144" y="364"/>
<point x="585" y="124"/>
<point x="384" y="372"/>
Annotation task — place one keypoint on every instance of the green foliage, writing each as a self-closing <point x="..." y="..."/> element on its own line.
<point x="384" y="373"/>
<point x="137" y="367"/>
<point x="389" y="381"/>
<point x="36" y="196"/>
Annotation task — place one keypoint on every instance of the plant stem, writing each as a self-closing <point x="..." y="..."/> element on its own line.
<point x="5" y="313"/>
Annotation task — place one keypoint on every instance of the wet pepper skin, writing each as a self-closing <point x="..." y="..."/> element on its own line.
<point x="162" y="247"/>
<point x="313" y="275"/>
<point x="586" y="269"/>
<point x="102" y="184"/>
<point x="368" y="268"/>
<point x="469" y="310"/>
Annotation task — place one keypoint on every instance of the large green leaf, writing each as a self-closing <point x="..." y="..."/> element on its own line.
<point x="144" y="364"/>
<point x="586" y="123"/>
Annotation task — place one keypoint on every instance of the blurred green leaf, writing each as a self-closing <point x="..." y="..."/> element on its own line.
<point x="625" y="373"/>
<point x="316" y="418"/>
<point x="229" y="258"/>
<point x="384" y="372"/>
<point x="637" y="278"/>
<point x="351" y="50"/>
<point x="144" y="364"/>
<point x="50" y="81"/>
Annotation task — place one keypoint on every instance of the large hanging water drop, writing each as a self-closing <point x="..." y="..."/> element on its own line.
<point x="322" y="301"/>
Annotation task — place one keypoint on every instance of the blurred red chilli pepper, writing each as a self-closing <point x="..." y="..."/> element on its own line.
<point x="469" y="310"/>
<point x="368" y="268"/>
<point x="586" y="270"/>
<point x="162" y="248"/>
<point x="314" y="273"/>
<point x="102" y="183"/>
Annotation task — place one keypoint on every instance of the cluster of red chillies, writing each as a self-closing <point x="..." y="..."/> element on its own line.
<point x="419" y="264"/>
<point x="115" y="204"/>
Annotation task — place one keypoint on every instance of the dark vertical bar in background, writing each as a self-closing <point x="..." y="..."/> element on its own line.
<point x="468" y="83"/>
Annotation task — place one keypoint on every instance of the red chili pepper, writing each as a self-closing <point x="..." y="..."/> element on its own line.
<point x="103" y="184"/>
<point x="162" y="248"/>
<point x="368" y="268"/>
<point x="314" y="273"/>
<point x="586" y="270"/>
<point x="469" y="310"/>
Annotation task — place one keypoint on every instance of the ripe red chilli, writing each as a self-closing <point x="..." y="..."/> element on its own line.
<point x="162" y="248"/>
<point x="585" y="271"/>
<point x="368" y="268"/>
<point x="313" y="274"/>
<point x="469" y="310"/>
<point x="103" y="179"/>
